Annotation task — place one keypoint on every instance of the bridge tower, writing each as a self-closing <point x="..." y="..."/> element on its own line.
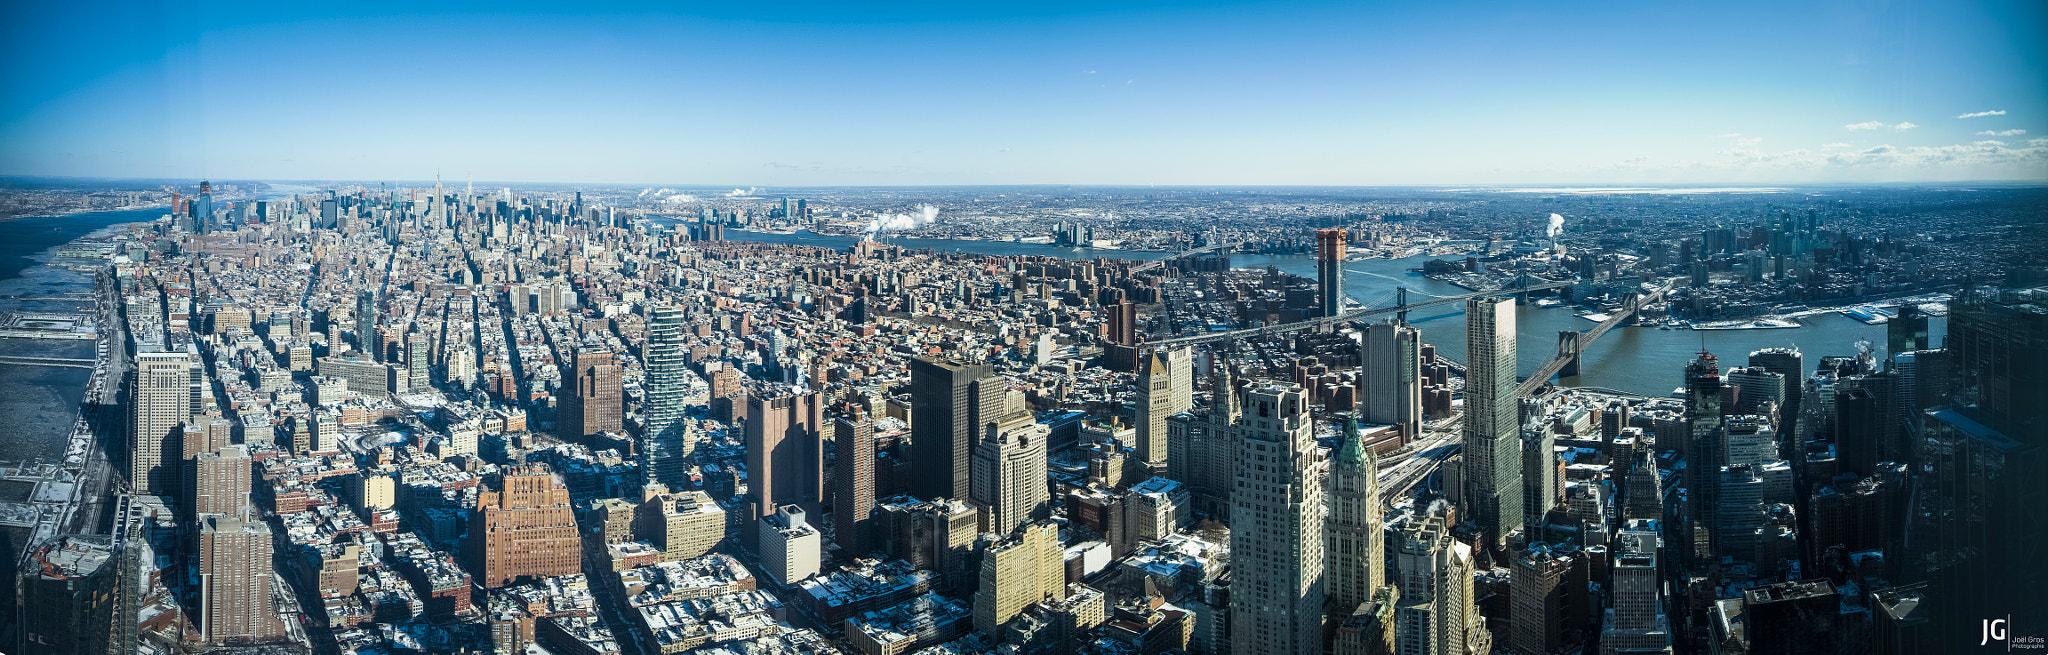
<point x="1569" y="348"/>
<point x="1522" y="281"/>
<point x="1401" y="300"/>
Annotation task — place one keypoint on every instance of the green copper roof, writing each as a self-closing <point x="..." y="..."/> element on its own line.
<point x="1353" y="451"/>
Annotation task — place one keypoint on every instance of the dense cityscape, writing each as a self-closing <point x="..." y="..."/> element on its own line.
<point x="371" y="418"/>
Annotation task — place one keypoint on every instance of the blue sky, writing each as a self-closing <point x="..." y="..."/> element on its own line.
<point x="971" y="93"/>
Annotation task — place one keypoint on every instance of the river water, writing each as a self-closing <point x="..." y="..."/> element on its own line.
<point x="39" y="403"/>
<point x="1645" y="361"/>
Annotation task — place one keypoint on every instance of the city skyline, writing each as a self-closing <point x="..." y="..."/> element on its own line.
<point x="1309" y="94"/>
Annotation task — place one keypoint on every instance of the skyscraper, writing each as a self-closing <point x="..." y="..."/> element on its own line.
<point x="785" y="459"/>
<point x="416" y="361"/>
<point x="1786" y="362"/>
<point x="1638" y="623"/>
<point x="1493" y="445"/>
<point x="1702" y="448"/>
<point x="1539" y="474"/>
<point x="234" y="581"/>
<point x="1016" y="572"/>
<point x="667" y="376"/>
<point x="944" y="420"/>
<point x="202" y="210"/>
<point x="853" y="484"/>
<point x="1009" y="474"/>
<point x="1357" y="546"/>
<point x="366" y="325"/>
<point x="1392" y="372"/>
<point x="1330" y="270"/>
<point x="591" y="400"/>
<point x="162" y="403"/>
<point x="1155" y="403"/>
<point x="1277" y="589"/>
<point x="1645" y="493"/>
<point x="525" y="528"/>
<point x="1435" y="614"/>
<point x="221" y="481"/>
<point x="1906" y="332"/>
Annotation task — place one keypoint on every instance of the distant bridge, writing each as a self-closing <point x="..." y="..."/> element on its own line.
<point x="1572" y="345"/>
<point x="1156" y="263"/>
<point x="1401" y="308"/>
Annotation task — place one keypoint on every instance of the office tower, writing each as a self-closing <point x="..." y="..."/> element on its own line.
<point x="1392" y="372"/>
<point x="1539" y="474"/>
<point x="1754" y="388"/>
<point x="1213" y="464"/>
<point x="1435" y="614"/>
<point x="1613" y="419"/>
<point x="366" y="325"/>
<point x="1357" y="546"/>
<point x="2000" y="345"/>
<point x="1645" y="492"/>
<point x="1542" y="598"/>
<point x="1155" y="403"/>
<point x="203" y="208"/>
<point x="1493" y="464"/>
<point x="684" y="525"/>
<point x="945" y="418"/>
<point x="67" y="596"/>
<point x="930" y="535"/>
<point x="1180" y="362"/>
<point x="1793" y="618"/>
<point x="523" y="529"/>
<point x="221" y="481"/>
<point x="330" y="214"/>
<point x="853" y="484"/>
<point x="1148" y="512"/>
<point x="591" y="401"/>
<point x="1786" y="362"/>
<point x="1008" y="478"/>
<point x="785" y="462"/>
<point x="1330" y="270"/>
<point x="790" y="548"/>
<point x="1636" y="623"/>
<point x="1023" y="569"/>
<point x="162" y="403"/>
<point x="667" y="373"/>
<point x="1277" y="588"/>
<point x="1985" y="456"/>
<point x="1906" y="332"/>
<point x="416" y="361"/>
<point x="234" y="581"/>
<point x="1123" y="324"/>
<point x="1703" y="457"/>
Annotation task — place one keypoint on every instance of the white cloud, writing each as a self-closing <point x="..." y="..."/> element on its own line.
<point x="1904" y="126"/>
<point x="1729" y="135"/>
<point x="2003" y="133"/>
<point x="1836" y="160"/>
<point x="1866" y="125"/>
<point x="1976" y="114"/>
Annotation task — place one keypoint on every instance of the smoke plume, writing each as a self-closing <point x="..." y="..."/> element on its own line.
<point x="1556" y="225"/>
<point x="925" y="215"/>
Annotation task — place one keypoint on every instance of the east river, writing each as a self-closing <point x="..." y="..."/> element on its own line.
<point x="1646" y="361"/>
